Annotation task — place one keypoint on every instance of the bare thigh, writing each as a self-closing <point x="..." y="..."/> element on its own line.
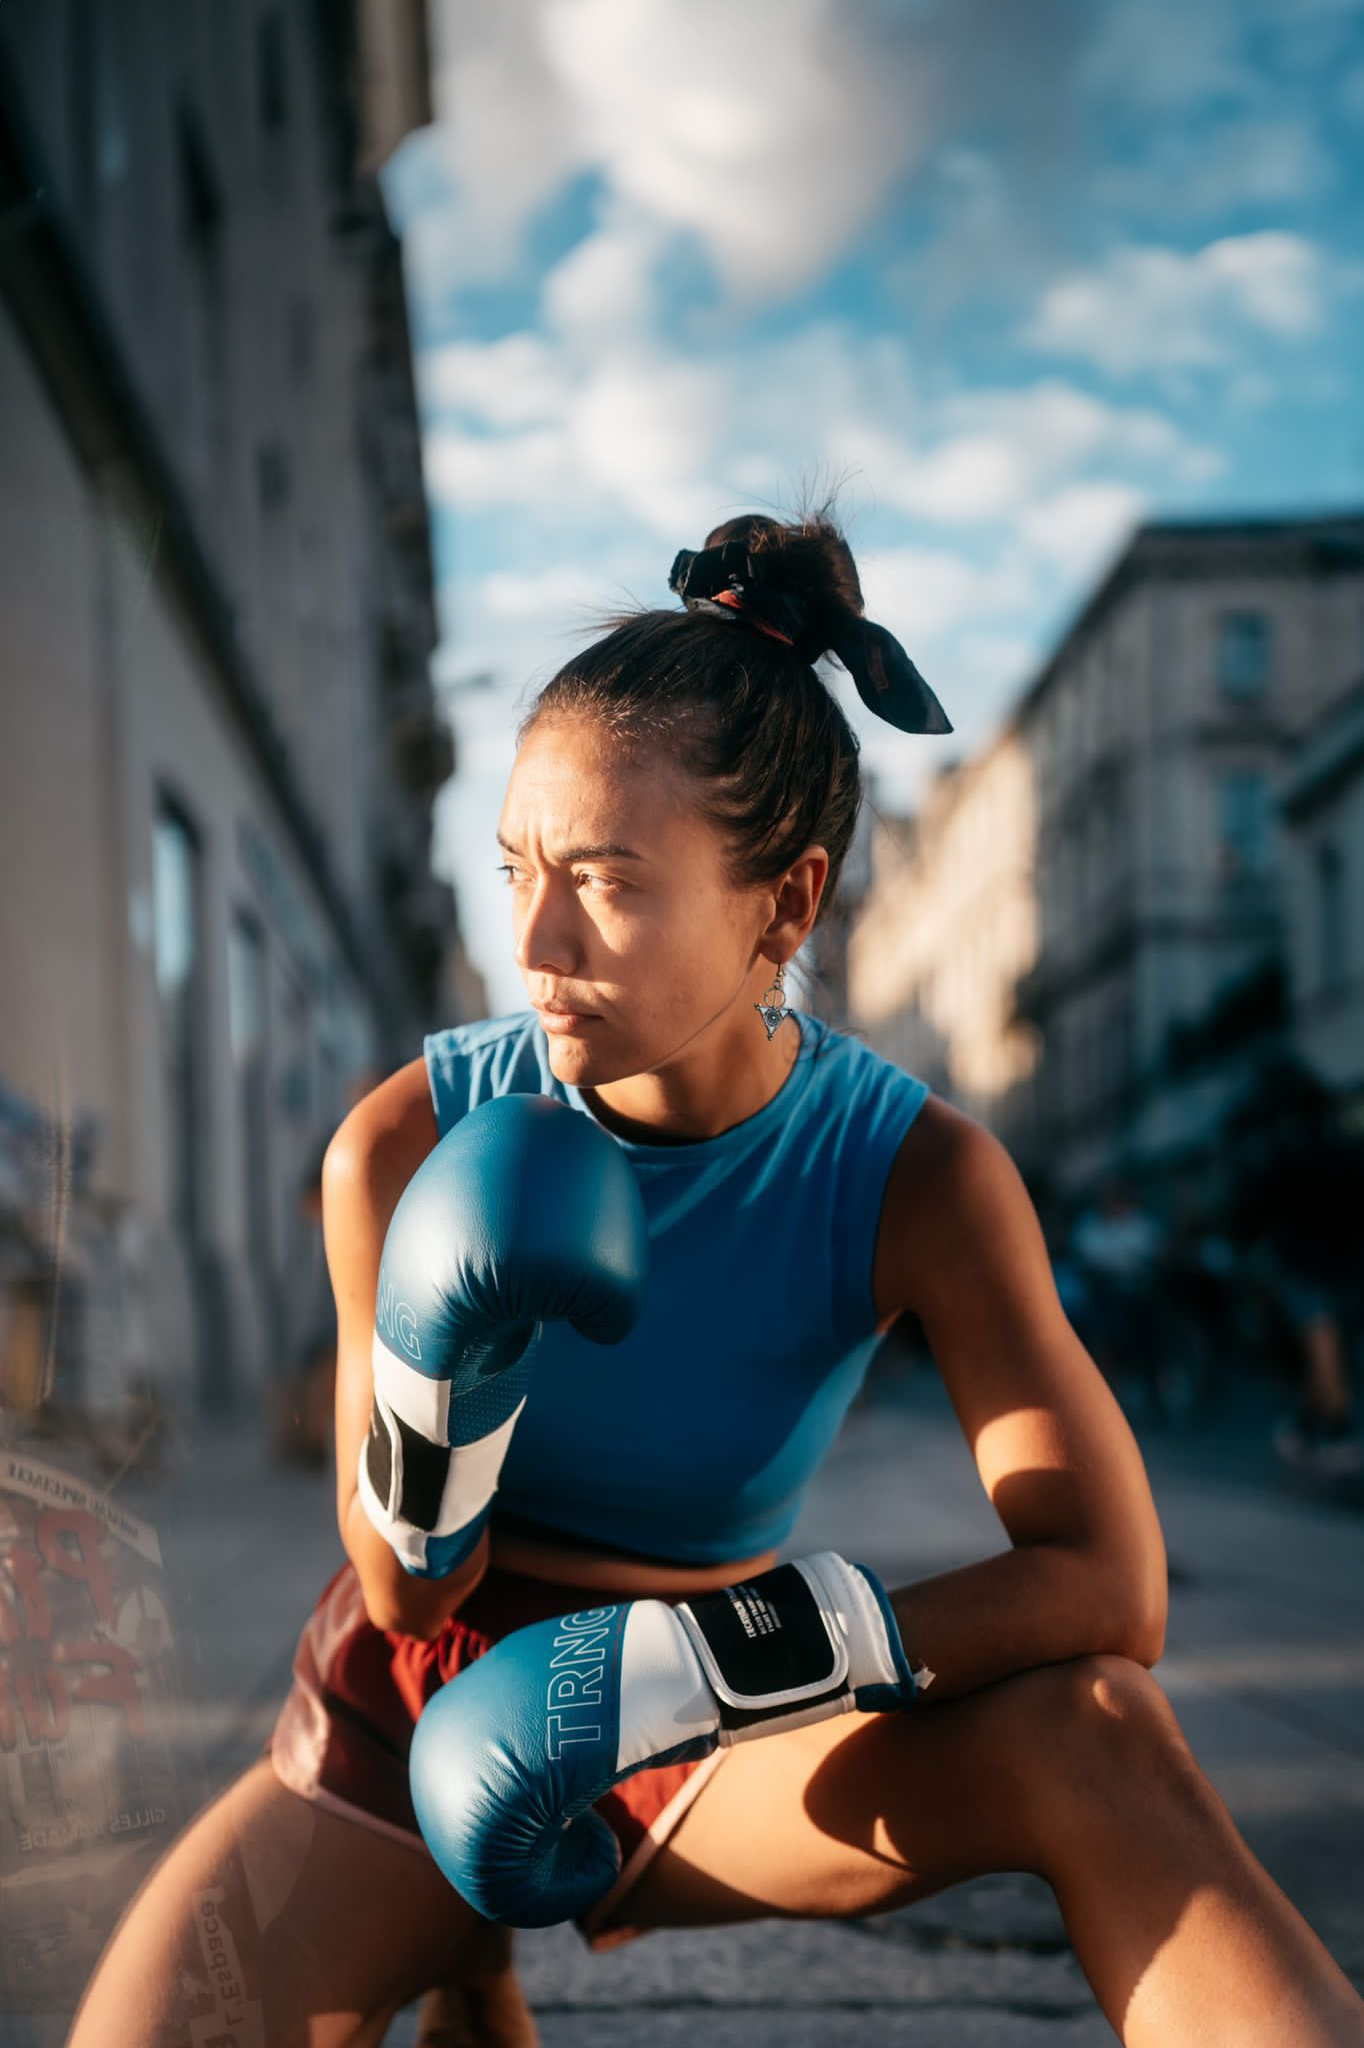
<point x="866" y="1812"/>
<point x="296" y="1927"/>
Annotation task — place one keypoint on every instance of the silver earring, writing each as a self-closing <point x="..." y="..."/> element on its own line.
<point x="770" y="1012"/>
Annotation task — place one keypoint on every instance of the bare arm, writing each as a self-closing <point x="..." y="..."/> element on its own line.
<point x="369" y="1162"/>
<point x="961" y="1245"/>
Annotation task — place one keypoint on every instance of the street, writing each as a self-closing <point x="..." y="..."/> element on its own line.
<point x="1264" y="1665"/>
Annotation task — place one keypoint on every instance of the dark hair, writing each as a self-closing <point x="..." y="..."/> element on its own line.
<point x="773" y="757"/>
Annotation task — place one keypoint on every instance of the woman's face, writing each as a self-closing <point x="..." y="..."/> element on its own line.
<point x="620" y="905"/>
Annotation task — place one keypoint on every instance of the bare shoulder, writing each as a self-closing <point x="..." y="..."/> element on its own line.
<point x="387" y="1134"/>
<point x="952" y="1184"/>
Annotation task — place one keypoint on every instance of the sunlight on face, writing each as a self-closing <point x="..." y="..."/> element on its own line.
<point x="620" y="902"/>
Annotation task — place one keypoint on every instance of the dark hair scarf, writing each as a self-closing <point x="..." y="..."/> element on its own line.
<point x="731" y="583"/>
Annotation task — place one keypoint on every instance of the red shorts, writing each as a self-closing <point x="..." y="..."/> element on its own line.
<point x="343" y="1734"/>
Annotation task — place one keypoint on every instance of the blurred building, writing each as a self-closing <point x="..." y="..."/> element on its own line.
<point x="1322" y="811"/>
<point x="1156" y="869"/>
<point x="220" y="746"/>
<point x="948" y="925"/>
<point x="819" y="971"/>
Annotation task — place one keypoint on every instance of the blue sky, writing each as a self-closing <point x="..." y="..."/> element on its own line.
<point x="1019" y="275"/>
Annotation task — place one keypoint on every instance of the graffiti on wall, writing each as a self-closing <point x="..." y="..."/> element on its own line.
<point x="92" y="1726"/>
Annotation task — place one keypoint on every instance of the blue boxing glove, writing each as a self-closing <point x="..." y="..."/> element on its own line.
<point x="525" y="1213"/>
<point x="510" y="1755"/>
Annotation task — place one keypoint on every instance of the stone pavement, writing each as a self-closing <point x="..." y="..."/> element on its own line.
<point x="1264" y="1663"/>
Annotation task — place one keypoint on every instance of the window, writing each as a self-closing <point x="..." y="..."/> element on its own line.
<point x="1243" y="653"/>
<point x="272" y="74"/>
<point x="246" y="1012"/>
<point x="178" y="950"/>
<point x="272" y="474"/>
<point x="1124" y="1042"/>
<point x="206" y="321"/>
<point x="99" y="124"/>
<point x="1244" y="827"/>
<point x="1333" y="966"/>
<point x="300" y="338"/>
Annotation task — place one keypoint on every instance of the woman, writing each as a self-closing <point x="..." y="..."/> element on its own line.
<point x="681" y="803"/>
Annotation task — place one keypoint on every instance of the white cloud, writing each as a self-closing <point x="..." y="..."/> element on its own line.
<point x="602" y="292"/>
<point x="1262" y="161"/>
<point x="546" y="594"/>
<point x="506" y="139"/>
<point x="674" y="441"/>
<point x="634" y="438"/>
<point x="1004" y="449"/>
<point x="1154" y="309"/>
<point x="767" y="130"/>
<point x="925" y="594"/>
<point x="1081" y="526"/>
<point x="644" y="432"/>
<point x="514" y="381"/>
<point x="975" y="476"/>
<point x="479" y="470"/>
<point x="1278" y="279"/>
<point x="1167" y="56"/>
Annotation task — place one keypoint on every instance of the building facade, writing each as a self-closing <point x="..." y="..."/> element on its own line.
<point x="219" y="746"/>
<point x="1110" y="889"/>
<point x="1322" y="811"/>
<point x="948" y="925"/>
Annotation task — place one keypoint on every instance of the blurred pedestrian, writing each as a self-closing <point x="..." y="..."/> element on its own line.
<point x="1118" y="1246"/>
<point x="1074" y="1284"/>
<point x="1296" y="1208"/>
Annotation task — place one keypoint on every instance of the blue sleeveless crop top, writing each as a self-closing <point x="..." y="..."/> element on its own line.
<point x="693" y="1439"/>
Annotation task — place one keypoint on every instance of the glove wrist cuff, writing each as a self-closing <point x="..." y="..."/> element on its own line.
<point x="885" y="1676"/>
<point x="428" y="1501"/>
<point x="797" y="1644"/>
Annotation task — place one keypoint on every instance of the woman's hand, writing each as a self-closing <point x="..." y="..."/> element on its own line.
<point x="525" y="1213"/>
<point x="508" y="1758"/>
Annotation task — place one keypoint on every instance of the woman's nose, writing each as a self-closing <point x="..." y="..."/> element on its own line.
<point x="546" y="944"/>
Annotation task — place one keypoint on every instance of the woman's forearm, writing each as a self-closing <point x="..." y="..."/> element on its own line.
<point x="395" y="1598"/>
<point x="1039" y="1603"/>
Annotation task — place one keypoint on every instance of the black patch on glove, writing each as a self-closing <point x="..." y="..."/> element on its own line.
<point x="424" y="1468"/>
<point x="767" y="1637"/>
<point x="379" y="1454"/>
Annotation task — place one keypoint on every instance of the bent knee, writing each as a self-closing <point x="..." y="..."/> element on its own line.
<point x="1103" y="1715"/>
<point x="1110" y="1689"/>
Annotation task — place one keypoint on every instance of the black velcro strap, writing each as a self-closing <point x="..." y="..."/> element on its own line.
<point x="379" y="1454"/>
<point x="424" y="1468"/>
<point x="768" y="1639"/>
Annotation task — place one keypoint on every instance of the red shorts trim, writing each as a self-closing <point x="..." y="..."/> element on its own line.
<point x="343" y="1735"/>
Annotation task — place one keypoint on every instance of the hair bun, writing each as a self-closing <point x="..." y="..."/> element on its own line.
<point x="806" y="558"/>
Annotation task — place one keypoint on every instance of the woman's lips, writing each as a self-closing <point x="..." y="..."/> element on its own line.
<point x="565" y="1020"/>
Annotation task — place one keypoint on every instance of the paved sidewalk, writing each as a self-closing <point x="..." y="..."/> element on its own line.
<point x="1265" y="1665"/>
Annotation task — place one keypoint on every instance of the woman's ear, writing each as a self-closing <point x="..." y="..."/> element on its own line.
<point x="798" y="899"/>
